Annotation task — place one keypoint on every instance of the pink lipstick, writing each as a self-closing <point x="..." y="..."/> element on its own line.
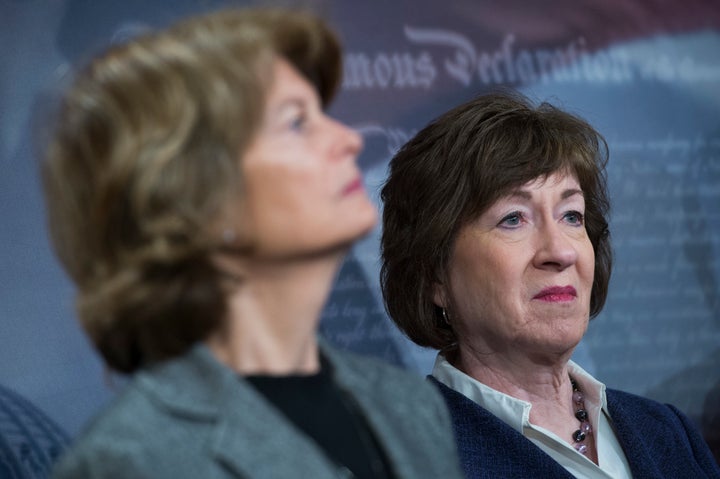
<point x="352" y="187"/>
<point x="556" y="294"/>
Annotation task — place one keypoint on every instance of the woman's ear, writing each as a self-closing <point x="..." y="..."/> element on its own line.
<point x="439" y="296"/>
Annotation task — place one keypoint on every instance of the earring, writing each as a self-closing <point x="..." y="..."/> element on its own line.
<point x="445" y="316"/>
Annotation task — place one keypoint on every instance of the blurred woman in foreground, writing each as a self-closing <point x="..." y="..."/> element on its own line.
<point x="202" y="202"/>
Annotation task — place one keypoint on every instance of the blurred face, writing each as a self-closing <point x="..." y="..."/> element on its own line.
<point x="520" y="275"/>
<point x="303" y="190"/>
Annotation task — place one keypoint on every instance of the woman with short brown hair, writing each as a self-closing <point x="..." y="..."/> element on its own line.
<point x="496" y="252"/>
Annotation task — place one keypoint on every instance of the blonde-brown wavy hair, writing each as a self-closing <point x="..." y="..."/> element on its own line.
<point x="144" y="158"/>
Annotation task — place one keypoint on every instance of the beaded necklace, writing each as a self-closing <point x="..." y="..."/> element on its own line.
<point x="581" y="414"/>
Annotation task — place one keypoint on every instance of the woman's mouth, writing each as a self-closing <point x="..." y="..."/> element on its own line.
<point x="352" y="187"/>
<point x="556" y="294"/>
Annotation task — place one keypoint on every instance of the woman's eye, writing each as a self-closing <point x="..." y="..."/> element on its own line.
<point x="574" y="218"/>
<point x="511" y="220"/>
<point x="299" y="122"/>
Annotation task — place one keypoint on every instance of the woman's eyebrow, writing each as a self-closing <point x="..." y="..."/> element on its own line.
<point x="522" y="194"/>
<point x="527" y="195"/>
<point x="568" y="193"/>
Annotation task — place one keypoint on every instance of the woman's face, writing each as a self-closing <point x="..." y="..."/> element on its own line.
<point x="521" y="274"/>
<point x="303" y="190"/>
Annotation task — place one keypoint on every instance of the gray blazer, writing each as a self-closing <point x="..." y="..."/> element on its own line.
<point x="192" y="417"/>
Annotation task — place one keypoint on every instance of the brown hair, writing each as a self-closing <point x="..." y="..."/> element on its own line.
<point x="455" y="169"/>
<point x="143" y="160"/>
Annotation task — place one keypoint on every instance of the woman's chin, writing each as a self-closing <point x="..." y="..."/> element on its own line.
<point x="363" y="219"/>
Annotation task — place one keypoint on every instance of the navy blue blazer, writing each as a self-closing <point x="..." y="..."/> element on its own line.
<point x="659" y="441"/>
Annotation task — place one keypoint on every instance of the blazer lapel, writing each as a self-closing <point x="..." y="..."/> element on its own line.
<point x="490" y="448"/>
<point x="255" y="440"/>
<point x="362" y="390"/>
<point x="248" y="435"/>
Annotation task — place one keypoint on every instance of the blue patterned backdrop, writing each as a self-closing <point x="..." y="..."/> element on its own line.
<point x="646" y="73"/>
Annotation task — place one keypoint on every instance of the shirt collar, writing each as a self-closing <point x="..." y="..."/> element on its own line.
<point x="593" y="390"/>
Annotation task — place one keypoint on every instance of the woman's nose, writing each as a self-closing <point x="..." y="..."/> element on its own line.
<point x="346" y="141"/>
<point x="555" y="249"/>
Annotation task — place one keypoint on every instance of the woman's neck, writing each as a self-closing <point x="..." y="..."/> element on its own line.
<point x="273" y="315"/>
<point x="518" y="375"/>
<point x="543" y="381"/>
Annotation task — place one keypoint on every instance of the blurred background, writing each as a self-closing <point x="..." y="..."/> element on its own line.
<point x="645" y="73"/>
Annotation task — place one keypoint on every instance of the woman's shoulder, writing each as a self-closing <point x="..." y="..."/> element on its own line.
<point x="628" y="406"/>
<point x="661" y="427"/>
<point x="121" y="416"/>
<point x="633" y="403"/>
<point x="112" y="438"/>
<point x="132" y="436"/>
<point x="387" y="385"/>
<point x="629" y="412"/>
